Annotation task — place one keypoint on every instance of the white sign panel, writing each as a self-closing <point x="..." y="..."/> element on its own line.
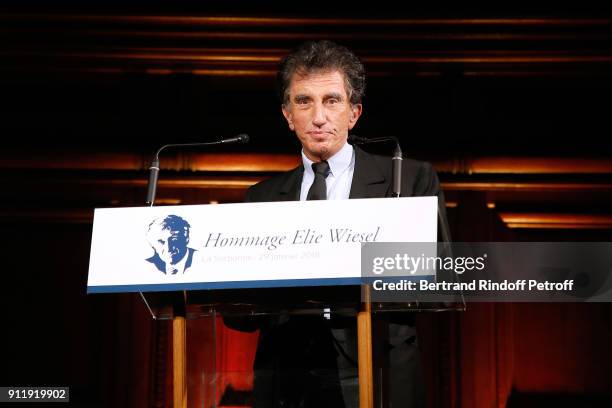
<point x="247" y="245"/>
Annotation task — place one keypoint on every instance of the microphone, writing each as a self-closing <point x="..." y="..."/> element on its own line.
<point x="397" y="177"/>
<point x="154" y="168"/>
<point x="396" y="160"/>
<point x="241" y="138"/>
<point x="355" y="140"/>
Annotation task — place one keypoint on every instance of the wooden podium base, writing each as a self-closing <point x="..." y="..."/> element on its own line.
<point x="364" y="348"/>
<point x="179" y="353"/>
<point x="364" y="345"/>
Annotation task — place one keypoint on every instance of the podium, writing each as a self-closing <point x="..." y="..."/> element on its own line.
<point x="232" y="261"/>
<point x="333" y="303"/>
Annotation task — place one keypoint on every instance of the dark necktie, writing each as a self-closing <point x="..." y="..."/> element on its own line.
<point x="318" y="189"/>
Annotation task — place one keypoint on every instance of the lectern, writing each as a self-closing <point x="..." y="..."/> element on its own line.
<point x="267" y="261"/>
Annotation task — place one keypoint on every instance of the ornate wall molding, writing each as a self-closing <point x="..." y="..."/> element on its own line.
<point x="271" y="163"/>
<point x="556" y="221"/>
<point x="215" y="45"/>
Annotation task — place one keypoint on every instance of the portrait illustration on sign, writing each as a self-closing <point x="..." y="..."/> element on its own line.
<point x="169" y="237"/>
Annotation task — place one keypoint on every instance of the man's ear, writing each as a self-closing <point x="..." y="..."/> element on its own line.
<point x="355" y="114"/>
<point x="287" y="114"/>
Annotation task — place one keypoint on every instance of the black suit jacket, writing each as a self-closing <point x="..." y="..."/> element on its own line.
<point x="295" y="363"/>
<point x="371" y="179"/>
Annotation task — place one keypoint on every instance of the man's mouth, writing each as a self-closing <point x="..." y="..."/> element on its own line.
<point x="319" y="135"/>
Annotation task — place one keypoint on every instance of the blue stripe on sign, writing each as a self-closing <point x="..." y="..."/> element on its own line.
<point x="163" y="287"/>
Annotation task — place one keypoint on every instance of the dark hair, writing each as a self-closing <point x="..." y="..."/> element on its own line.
<point x="171" y="223"/>
<point x="316" y="56"/>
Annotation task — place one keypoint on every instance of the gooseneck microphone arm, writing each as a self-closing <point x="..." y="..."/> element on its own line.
<point x="154" y="168"/>
<point x="396" y="160"/>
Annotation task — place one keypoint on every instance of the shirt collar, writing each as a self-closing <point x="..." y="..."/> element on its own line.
<point x="337" y="163"/>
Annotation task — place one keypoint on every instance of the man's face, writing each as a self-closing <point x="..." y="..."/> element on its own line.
<point x="320" y="113"/>
<point x="170" y="246"/>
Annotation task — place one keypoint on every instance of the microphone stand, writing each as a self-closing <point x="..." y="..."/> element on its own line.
<point x="364" y="318"/>
<point x="397" y="170"/>
<point x="396" y="160"/>
<point x="154" y="168"/>
<point x="179" y="303"/>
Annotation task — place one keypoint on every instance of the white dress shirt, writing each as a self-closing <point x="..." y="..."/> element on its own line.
<point x="341" y="166"/>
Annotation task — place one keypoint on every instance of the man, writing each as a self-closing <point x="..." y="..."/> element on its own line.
<point x="169" y="236"/>
<point x="321" y="87"/>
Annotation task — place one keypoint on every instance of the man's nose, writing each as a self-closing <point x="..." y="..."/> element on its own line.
<point x="319" y="115"/>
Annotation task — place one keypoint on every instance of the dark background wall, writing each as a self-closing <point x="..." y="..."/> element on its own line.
<point x="510" y="102"/>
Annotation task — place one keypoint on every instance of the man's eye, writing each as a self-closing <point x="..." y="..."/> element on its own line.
<point x="332" y="101"/>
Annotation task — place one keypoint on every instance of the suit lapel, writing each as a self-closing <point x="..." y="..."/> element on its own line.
<point x="369" y="180"/>
<point x="291" y="187"/>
